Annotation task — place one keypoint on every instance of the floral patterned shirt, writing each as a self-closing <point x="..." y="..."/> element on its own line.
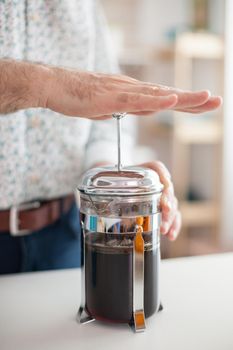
<point x="43" y="153"/>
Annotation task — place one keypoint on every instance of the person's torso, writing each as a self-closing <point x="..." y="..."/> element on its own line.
<point x="41" y="152"/>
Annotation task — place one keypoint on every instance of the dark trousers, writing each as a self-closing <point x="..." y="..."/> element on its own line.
<point x="54" y="247"/>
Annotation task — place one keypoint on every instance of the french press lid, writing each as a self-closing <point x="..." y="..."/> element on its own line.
<point x="129" y="181"/>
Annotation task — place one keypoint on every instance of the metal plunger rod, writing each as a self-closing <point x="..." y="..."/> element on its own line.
<point x="119" y="166"/>
<point x="118" y="117"/>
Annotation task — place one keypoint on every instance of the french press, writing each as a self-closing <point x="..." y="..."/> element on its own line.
<point x="120" y="219"/>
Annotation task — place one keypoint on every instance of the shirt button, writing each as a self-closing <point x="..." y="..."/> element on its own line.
<point x="34" y="179"/>
<point x="35" y="17"/>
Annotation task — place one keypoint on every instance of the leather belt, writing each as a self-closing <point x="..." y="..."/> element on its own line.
<point x="25" y="218"/>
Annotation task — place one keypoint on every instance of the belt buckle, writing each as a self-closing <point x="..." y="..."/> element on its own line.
<point x="14" y="217"/>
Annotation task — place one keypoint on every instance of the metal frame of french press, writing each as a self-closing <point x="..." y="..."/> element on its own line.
<point x="137" y="323"/>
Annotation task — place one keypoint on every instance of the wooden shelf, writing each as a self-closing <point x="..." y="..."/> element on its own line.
<point x="134" y="57"/>
<point x="200" y="132"/>
<point x="199" y="213"/>
<point x="158" y="129"/>
<point x="146" y="55"/>
<point x="192" y="45"/>
<point x="200" y="45"/>
<point x="203" y="215"/>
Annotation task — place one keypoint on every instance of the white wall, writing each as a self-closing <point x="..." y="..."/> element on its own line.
<point x="156" y="17"/>
<point x="227" y="206"/>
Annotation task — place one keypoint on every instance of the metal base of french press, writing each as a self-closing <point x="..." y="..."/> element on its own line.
<point x="83" y="316"/>
<point x="138" y="323"/>
<point x="160" y="307"/>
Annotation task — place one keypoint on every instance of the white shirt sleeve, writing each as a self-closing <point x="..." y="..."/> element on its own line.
<point x="102" y="142"/>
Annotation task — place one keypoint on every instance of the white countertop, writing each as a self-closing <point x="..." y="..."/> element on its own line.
<point x="37" y="311"/>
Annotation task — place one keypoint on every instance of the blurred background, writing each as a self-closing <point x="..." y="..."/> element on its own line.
<point x="188" y="44"/>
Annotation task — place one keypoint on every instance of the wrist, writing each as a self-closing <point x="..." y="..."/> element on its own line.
<point x="41" y="85"/>
<point x="49" y="83"/>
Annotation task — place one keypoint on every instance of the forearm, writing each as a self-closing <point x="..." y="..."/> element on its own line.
<point x="90" y="95"/>
<point x="22" y="85"/>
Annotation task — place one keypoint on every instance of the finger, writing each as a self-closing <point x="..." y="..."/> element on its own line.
<point x="168" y="201"/>
<point x="192" y="99"/>
<point x="163" y="173"/>
<point x="175" y="227"/>
<point x="131" y="102"/>
<point x="185" y="98"/>
<point x="168" y="213"/>
<point x="213" y="103"/>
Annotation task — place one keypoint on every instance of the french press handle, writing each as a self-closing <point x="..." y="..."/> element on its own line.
<point x="138" y="281"/>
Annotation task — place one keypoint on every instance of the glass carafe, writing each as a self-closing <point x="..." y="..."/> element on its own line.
<point x="120" y="218"/>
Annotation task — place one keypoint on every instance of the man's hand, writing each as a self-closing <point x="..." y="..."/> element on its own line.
<point x="97" y="96"/>
<point x="171" y="217"/>
<point x="90" y="95"/>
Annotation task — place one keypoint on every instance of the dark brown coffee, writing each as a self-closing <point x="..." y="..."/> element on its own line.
<point x="109" y="278"/>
